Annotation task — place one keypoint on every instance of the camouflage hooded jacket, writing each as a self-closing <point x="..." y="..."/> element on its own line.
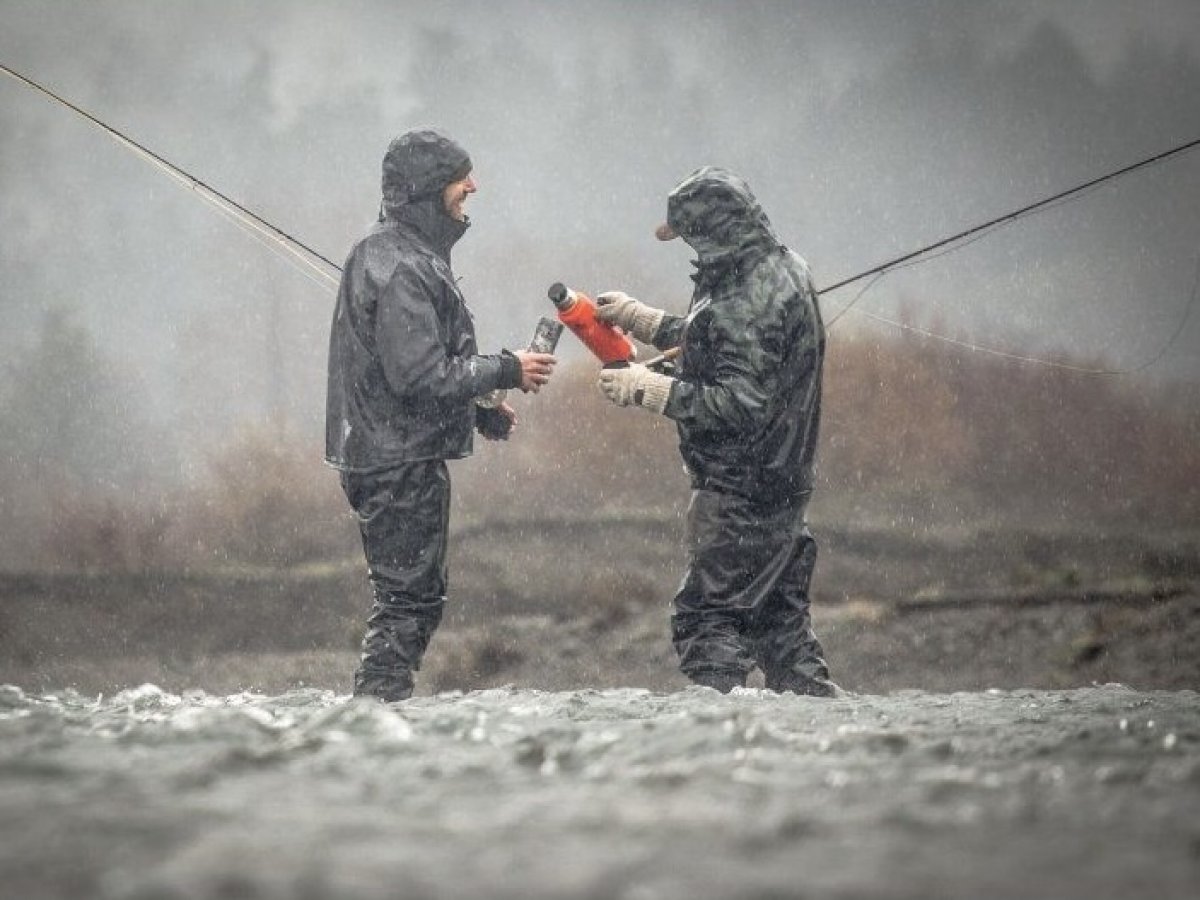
<point x="748" y="396"/>
<point x="403" y="364"/>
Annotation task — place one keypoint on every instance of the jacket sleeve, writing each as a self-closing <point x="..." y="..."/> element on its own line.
<point x="415" y="352"/>
<point x="670" y="332"/>
<point x="743" y="385"/>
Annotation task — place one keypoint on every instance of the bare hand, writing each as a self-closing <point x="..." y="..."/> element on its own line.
<point x="502" y="434"/>
<point x="535" y="369"/>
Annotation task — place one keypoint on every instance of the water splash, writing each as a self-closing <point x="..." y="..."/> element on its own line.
<point x="595" y="793"/>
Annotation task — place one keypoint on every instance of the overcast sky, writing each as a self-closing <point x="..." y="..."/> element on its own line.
<point x="866" y="128"/>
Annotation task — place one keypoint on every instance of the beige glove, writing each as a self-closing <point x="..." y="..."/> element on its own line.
<point x="635" y="385"/>
<point x="632" y="316"/>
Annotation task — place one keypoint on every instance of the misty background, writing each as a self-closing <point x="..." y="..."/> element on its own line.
<point x="143" y="333"/>
<point x="169" y="534"/>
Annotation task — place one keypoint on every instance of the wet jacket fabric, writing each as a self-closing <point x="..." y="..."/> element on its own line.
<point x="748" y="399"/>
<point x="746" y="403"/>
<point x="404" y="368"/>
<point x="404" y="372"/>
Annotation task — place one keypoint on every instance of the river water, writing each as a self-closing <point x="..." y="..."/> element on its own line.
<point x="607" y="794"/>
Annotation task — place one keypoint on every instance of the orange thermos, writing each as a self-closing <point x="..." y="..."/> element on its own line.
<point x="578" y="312"/>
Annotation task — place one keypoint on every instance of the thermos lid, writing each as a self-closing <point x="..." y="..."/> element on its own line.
<point x="559" y="295"/>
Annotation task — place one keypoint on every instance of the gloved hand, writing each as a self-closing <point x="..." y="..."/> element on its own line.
<point x="495" y="422"/>
<point x="632" y="316"/>
<point x="635" y="385"/>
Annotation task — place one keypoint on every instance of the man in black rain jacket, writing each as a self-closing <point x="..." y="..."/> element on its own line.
<point x="404" y="379"/>
<point x="745" y="397"/>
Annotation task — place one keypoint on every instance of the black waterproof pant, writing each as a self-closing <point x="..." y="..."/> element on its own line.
<point x="744" y="598"/>
<point x="404" y="518"/>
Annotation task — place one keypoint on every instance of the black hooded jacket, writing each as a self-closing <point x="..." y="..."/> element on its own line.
<point x="748" y="400"/>
<point x="404" y="369"/>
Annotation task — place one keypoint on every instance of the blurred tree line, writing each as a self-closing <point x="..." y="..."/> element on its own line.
<point x="915" y="434"/>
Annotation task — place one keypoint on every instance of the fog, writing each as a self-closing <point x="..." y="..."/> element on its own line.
<point x="1004" y="546"/>
<point x="867" y="129"/>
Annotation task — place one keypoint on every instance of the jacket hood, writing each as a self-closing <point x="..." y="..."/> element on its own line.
<point x="418" y="165"/>
<point x="416" y="169"/>
<point x="717" y="214"/>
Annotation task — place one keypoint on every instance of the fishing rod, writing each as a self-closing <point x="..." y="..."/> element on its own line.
<point x="274" y="236"/>
<point x="977" y="232"/>
<point x="1011" y="216"/>
<point x="249" y="220"/>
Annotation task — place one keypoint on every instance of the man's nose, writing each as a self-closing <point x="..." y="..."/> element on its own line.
<point x="470" y="186"/>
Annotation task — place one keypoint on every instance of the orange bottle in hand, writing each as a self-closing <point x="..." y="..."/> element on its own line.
<point x="578" y="312"/>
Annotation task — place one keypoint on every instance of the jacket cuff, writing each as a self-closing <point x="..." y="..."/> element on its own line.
<point x="655" y="391"/>
<point x="646" y="322"/>
<point x="669" y="332"/>
<point x="510" y="370"/>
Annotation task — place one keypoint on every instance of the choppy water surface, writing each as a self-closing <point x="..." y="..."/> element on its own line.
<point x="625" y="793"/>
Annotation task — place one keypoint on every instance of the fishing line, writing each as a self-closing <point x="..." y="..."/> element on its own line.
<point x="1012" y="216"/>
<point x="275" y="238"/>
<point x="303" y="267"/>
<point x="1049" y="363"/>
<point x="965" y="238"/>
<point x="250" y="221"/>
<point x="917" y="258"/>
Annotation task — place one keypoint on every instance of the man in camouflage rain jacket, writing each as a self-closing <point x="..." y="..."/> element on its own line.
<point x="745" y="397"/>
<point x="404" y="375"/>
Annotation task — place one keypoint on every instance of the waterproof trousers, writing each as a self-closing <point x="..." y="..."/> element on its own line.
<point x="404" y="517"/>
<point x="744" y="598"/>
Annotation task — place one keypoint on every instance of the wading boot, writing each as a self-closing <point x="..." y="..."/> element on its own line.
<point x="723" y="680"/>
<point x="793" y="682"/>
<point x="387" y="687"/>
